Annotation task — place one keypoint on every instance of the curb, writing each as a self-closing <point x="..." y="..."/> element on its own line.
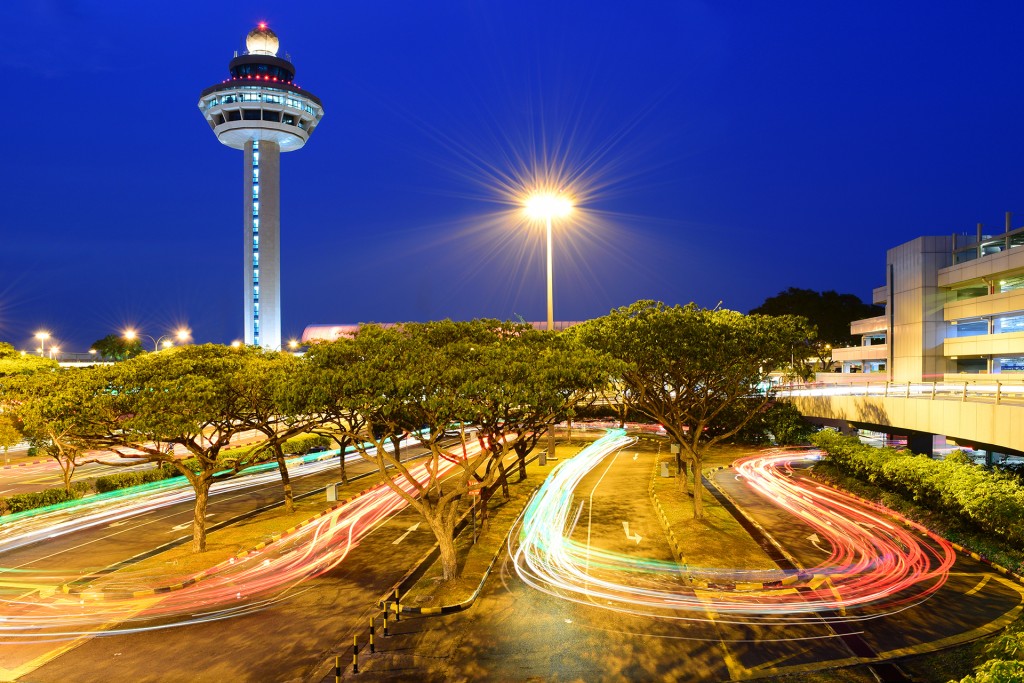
<point x="468" y="602"/>
<point x="23" y="464"/>
<point x="771" y="539"/>
<point x="385" y="602"/>
<point x="673" y="542"/>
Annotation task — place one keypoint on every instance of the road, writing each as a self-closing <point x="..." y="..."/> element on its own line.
<point x="284" y="640"/>
<point x="518" y="632"/>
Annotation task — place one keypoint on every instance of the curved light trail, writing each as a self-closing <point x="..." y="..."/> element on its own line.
<point x="874" y="560"/>
<point x="35" y="609"/>
<point x="31" y="526"/>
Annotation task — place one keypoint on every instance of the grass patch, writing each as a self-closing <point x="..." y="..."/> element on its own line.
<point x="718" y="539"/>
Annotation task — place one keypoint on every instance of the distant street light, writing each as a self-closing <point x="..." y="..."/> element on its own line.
<point x="545" y="206"/>
<point x="42" y="337"/>
<point x="183" y="334"/>
<point x="54" y="352"/>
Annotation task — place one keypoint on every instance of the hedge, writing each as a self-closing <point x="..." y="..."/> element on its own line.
<point x="39" y="499"/>
<point x="992" y="501"/>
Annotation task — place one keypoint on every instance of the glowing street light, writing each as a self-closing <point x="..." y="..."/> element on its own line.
<point x="183" y="334"/>
<point x="42" y="336"/>
<point x="546" y="206"/>
<point x="54" y="352"/>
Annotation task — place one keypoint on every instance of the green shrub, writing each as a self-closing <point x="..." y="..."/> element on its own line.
<point x="991" y="500"/>
<point x="39" y="499"/>
<point x="304" y="443"/>
<point x="125" y="480"/>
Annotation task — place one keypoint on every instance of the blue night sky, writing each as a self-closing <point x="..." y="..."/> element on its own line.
<point x="725" y="151"/>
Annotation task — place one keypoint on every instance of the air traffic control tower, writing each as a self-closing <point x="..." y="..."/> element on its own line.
<point x="259" y="109"/>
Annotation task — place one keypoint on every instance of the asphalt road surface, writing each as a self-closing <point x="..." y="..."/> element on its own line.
<point x="517" y="633"/>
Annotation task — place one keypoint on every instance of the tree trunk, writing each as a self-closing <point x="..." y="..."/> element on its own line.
<point x="683" y="477"/>
<point x="342" y="445"/>
<point x="444" y="533"/>
<point x="202" y="487"/>
<point x="521" y="457"/>
<point x="568" y="422"/>
<point x="286" y="481"/>
<point x="396" y="442"/>
<point x="67" y="469"/>
<point x="698" y="489"/>
<point x="504" y="480"/>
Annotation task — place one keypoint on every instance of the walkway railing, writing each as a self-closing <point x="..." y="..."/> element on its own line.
<point x="988" y="391"/>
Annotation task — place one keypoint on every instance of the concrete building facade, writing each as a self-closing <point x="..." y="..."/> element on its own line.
<point x="954" y="311"/>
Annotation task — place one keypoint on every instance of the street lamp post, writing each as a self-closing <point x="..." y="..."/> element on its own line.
<point x="547" y="206"/>
<point x="42" y="337"/>
<point x="182" y="335"/>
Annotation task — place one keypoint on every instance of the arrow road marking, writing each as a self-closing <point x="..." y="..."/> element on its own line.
<point x="408" y="531"/>
<point x="635" y="456"/>
<point x="634" y="537"/>
<point x="813" y="538"/>
<point x="182" y="527"/>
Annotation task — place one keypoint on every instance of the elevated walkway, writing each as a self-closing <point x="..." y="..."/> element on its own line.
<point x="987" y="414"/>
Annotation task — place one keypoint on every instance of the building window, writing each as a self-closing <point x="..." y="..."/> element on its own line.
<point x="970" y="328"/>
<point x="1009" y="323"/>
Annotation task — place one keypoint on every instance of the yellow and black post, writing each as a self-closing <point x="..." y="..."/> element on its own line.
<point x="337" y="669"/>
<point x="398" y="607"/>
<point x="355" y="654"/>
<point x="371" y="636"/>
<point x="385" y="621"/>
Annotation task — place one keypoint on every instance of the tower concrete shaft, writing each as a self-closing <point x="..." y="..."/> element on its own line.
<point x="260" y="110"/>
<point x="262" y="235"/>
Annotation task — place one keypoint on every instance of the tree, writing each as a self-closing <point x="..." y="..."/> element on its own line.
<point x="688" y="367"/>
<point x="414" y="381"/>
<point x="320" y="389"/>
<point x="51" y="409"/>
<point x="115" y="347"/>
<point x="187" y="396"/>
<point x="261" y="388"/>
<point x="14" y="362"/>
<point x="10" y="435"/>
<point x="830" y="312"/>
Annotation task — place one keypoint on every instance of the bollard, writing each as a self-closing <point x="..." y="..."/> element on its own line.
<point x="385" y="623"/>
<point x="355" y="654"/>
<point x="371" y="636"/>
<point x="398" y="608"/>
<point x="337" y="669"/>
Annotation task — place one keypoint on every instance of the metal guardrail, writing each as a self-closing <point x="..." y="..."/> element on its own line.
<point x="987" y="391"/>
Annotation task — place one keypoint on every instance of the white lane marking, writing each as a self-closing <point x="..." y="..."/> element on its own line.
<point x="408" y="531"/>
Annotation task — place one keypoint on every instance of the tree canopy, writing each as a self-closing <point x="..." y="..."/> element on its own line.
<point x="496" y="379"/>
<point x="830" y="312"/>
<point x="701" y="373"/>
<point x="14" y="362"/>
<point x="115" y="347"/>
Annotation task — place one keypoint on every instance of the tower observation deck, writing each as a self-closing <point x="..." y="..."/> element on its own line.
<point x="260" y="110"/>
